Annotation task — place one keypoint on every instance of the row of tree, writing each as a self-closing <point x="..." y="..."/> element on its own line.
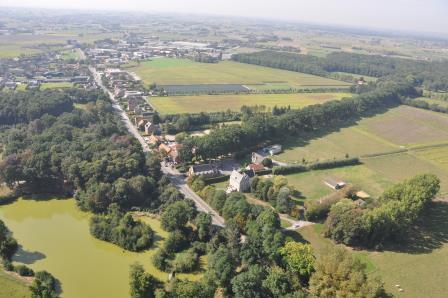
<point x="430" y="74"/>
<point x="259" y="127"/>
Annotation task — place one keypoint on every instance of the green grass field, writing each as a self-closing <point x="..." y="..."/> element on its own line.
<point x="46" y="86"/>
<point x="311" y="184"/>
<point x="393" y="146"/>
<point x="168" y="71"/>
<point x="12" y="287"/>
<point x="214" y="103"/>
<point x="417" y="263"/>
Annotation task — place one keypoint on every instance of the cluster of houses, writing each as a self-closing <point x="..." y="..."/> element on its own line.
<point x="239" y="180"/>
<point x="115" y="53"/>
<point x="33" y="71"/>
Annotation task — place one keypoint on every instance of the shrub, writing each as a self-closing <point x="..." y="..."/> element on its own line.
<point x="23" y="270"/>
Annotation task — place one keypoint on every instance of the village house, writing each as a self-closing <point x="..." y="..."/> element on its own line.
<point x="257" y="158"/>
<point x="239" y="181"/>
<point x="174" y="154"/>
<point x="150" y="128"/>
<point x="133" y="103"/>
<point x="205" y="170"/>
<point x="255" y="167"/>
<point x="141" y="124"/>
<point x="155" y="140"/>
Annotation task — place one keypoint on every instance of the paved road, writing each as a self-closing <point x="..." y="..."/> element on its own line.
<point x="183" y="187"/>
<point x="174" y="175"/>
<point x="131" y="128"/>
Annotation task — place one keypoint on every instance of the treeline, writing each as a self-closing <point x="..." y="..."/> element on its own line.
<point x="421" y="104"/>
<point x="260" y="127"/>
<point x="431" y="75"/>
<point x="397" y="209"/>
<point x="24" y="107"/>
<point x="172" y="124"/>
<point x="122" y="230"/>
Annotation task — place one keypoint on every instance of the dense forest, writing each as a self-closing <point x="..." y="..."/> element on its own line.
<point x="82" y="152"/>
<point x="431" y="75"/>
<point x="267" y="263"/>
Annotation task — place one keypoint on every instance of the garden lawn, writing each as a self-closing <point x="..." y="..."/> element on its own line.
<point x="170" y="71"/>
<point x="216" y="103"/>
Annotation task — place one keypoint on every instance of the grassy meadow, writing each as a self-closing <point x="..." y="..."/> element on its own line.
<point x="393" y="146"/>
<point x="45" y="86"/>
<point x="169" y="71"/>
<point x="215" y="103"/>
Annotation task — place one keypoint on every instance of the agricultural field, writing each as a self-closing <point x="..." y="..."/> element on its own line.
<point x="214" y="103"/>
<point x="393" y="146"/>
<point x="418" y="263"/>
<point x="168" y="71"/>
<point x="29" y="44"/>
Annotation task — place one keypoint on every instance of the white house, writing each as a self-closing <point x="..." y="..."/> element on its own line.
<point x="238" y="182"/>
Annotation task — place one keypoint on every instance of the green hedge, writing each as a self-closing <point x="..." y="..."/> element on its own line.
<point x="330" y="164"/>
<point x="216" y="179"/>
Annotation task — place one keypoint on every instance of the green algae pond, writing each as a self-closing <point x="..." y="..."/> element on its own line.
<point x="54" y="236"/>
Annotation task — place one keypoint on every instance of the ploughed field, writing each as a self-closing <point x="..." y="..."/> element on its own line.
<point x="234" y="102"/>
<point x="393" y="146"/>
<point x="54" y="236"/>
<point x="170" y="71"/>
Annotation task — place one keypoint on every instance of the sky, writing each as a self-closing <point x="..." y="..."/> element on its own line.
<point x="402" y="15"/>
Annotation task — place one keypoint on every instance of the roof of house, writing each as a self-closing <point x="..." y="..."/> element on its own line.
<point x="255" y="167"/>
<point x="203" y="168"/>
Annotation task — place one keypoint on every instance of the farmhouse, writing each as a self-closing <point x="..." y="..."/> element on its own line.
<point x="257" y="158"/>
<point x="238" y="182"/>
<point x="206" y="170"/>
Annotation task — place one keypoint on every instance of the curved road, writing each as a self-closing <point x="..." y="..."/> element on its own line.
<point x="174" y="175"/>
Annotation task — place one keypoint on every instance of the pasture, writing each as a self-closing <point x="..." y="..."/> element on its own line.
<point x="216" y="103"/>
<point x="169" y="71"/>
<point x="311" y="184"/>
<point x="393" y="146"/>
